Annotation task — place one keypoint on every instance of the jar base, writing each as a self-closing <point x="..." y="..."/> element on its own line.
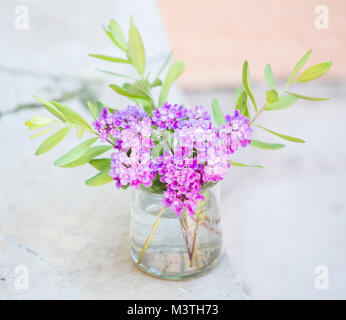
<point x="168" y="274"/>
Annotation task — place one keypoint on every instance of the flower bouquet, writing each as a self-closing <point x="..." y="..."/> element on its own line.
<point x="172" y="155"/>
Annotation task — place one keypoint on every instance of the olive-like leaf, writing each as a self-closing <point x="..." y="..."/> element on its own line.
<point x="219" y="117"/>
<point x="118" y="35"/>
<point x="314" y="72"/>
<point x="99" y="179"/>
<point x="93" y="110"/>
<point x="285" y="101"/>
<point x="43" y="132"/>
<point x="238" y="92"/>
<point x="38" y="122"/>
<point x="50" y="107"/>
<point x="75" y="153"/>
<point x="116" y="74"/>
<point x="90" y="154"/>
<point x="80" y="131"/>
<point x="283" y="136"/>
<point x="269" y="76"/>
<point x="136" y="50"/>
<point x="108" y="58"/>
<point x="239" y="164"/>
<point x="111" y="37"/>
<point x="164" y="65"/>
<point x="305" y="97"/>
<point x="157" y="82"/>
<point x="125" y="92"/>
<point x="173" y="74"/>
<point x="265" y="145"/>
<point x="247" y="84"/>
<point x="272" y="96"/>
<point x="298" y="67"/>
<point x="140" y="88"/>
<point x="52" y="141"/>
<point x="241" y="103"/>
<point x="71" y="115"/>
<point x="101" y="164"/>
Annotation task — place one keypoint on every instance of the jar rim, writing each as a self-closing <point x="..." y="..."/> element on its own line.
<point x="205" y="187"/>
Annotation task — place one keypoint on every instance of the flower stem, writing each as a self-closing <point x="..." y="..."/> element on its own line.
<point x="257" y="115"/>
<point x="147" y="242"/>
<point x="194" y="247"/>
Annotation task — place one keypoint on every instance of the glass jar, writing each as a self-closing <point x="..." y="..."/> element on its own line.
<point x="175" y="247"/>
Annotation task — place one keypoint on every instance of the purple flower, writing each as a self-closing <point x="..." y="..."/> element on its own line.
<point x="183" y="182"/>
<point x="168" y="116"/>
<point x="236" y="131"/>
<point x="195" y="150"/>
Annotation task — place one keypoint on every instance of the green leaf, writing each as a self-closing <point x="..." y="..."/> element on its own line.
<point x="272" y="96"/>
<point x="241" y="103"/>
<point x="238" y="164"/>
<point x="43" y="132"/>
<point x="314" y="72"/>
<point x="38" y="122"/>
<point x="125" y="92"/>
<point x="284" y="102"/>
<point x="247" y="85"/>
<point x="93" y="110"/>
<point x="52" y="141"/>
<point x="269" y="76"/>
<point x="101" y="164"/>
<point x="118" y="35"/>
<point x="169" y="57"/>
<point x="80" y="131"/>
<point x="238" y="92"/>
<point x="116" y="74"/>
<point x="219" y="117"/>
<point x="99" y="106"/>
<point x="75" y="153"/>
<point x="306" y="98"/>
<point x="140" y="88"/>
<point x="157" y="82"/>
<point x="265" y="145"/>
<point x="99" y="179"/>
<point x="298" y="67"/>
<point x="136" y="50"/>
<point x="71" y="115"/>
<point x="283" y="136"/>
<point x="50" y="108"/>
<point x="173" y="74"/>
<point x="90" y="154"/>
<point x="111" y="37"/>
<point x="108" y="58"/>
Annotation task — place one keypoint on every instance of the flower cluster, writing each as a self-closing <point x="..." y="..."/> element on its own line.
<point x="198" y="152"/>
<point x="130" y="129"/>
<point x="168" y="116"/>
<point x="183" y="182"/>
<point x="237" y="131"/>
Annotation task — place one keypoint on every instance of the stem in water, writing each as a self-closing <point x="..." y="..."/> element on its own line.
<point x="147" y="242"/>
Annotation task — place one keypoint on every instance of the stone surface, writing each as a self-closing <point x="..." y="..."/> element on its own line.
<point x="70" y="240"/>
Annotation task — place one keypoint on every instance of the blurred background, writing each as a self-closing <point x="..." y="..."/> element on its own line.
<point x="284" y="226"/>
